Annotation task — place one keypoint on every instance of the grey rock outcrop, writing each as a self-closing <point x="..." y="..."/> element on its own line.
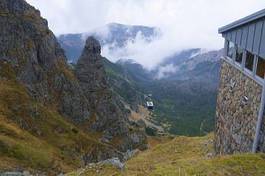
<point x="32" y="50"/>
<point x="91" y="75"/>
<point x="114" y="162"/>
<point x="108" y="114"/>
<point x="24" y="173"/>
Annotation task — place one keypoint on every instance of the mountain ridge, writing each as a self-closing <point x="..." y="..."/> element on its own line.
<point x="111" y="35"/>
<point x="45" y="112"/>
<point x="184" y="99"/>
<point x="180" y="74"/>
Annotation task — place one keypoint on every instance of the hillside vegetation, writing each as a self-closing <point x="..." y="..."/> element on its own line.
<point x="184" y="156"/>
<point x="54" y="118"/>
<point x="34" y="137"/>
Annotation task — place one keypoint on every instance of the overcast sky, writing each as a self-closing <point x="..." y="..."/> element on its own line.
<point x="184" y="23"/>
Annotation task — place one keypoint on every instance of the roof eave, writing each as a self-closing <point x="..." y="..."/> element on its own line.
<point x="240" y="22"/>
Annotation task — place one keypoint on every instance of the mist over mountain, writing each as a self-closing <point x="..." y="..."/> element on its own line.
<point x="190" y="64"/>
<point x="113" y="37"/>
<point x="183" y="84"/>
<point x="125" y="99"/>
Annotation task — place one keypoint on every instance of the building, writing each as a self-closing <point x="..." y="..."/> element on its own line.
<point x="240" y="102"/>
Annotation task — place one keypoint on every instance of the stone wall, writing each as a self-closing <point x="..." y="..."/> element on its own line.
<point x="238" y="103"/>
<point x="261" y="144"/>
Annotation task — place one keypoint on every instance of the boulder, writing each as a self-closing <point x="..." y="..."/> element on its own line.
<point x="114" y="162"/>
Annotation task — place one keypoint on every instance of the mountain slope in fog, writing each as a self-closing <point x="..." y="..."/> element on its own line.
<point x="112" y="36"/>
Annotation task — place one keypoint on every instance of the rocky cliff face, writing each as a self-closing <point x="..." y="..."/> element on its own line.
<point x="33" y="51"/>
<point x="30" y="51"/>
<point x="108" y="114"/>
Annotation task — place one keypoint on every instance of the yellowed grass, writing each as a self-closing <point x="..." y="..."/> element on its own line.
<point x="35" y="137"/>
<point x="186" y="156"/>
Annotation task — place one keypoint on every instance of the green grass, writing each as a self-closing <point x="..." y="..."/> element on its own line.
<point x="189" y="113"/>
<point x="185" y="156"/>
<point x="29" y="151"/>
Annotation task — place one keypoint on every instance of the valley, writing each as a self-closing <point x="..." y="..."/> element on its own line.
<point x="184" y="96"/>
<point x="86" y="103"/>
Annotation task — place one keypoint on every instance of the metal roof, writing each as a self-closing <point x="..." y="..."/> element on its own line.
<point x="247" y="19"/>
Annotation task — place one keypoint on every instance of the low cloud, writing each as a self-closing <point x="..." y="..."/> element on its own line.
<point x="165" y="71"/>
<point x="146" y="51"/>
<point x="184" y="23"/>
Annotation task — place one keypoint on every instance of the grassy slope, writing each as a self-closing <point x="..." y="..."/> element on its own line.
<point x="35" y="137"/>
<point x="185" y="156"/>
<point x="122" y="84"/>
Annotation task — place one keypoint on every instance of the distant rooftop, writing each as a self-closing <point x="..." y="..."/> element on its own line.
<point x="243" y="21"/>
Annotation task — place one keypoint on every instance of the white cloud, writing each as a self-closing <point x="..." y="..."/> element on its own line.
<point x="184" y="23"/>
<point x="140" y="49"/>
<point x="165" y="71"/>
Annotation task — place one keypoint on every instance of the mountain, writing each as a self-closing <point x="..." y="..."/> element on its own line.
<point x="112" y="36"/>
<point x="185" y="95"/>
<point x="184" y="85"/>
<point x="124" y="84"/>
<point x="107" y="113"/>
<point x="180" y="57"/>
<point x="190" y="64"/>
<point x="53" y="117"/>
<point x="136" y="70"/>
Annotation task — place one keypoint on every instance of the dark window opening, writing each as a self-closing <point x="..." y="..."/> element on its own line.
<point x="261" y="67"/>
<point x="249" y="61"/>
<point x="239" y="55"/>
<point x="230" y="49"/>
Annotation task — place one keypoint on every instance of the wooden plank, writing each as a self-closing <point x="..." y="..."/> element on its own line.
<point x="250" y="39"/>
<point x="233" y="38"/>
<point x="244" y="37"/>
<point x="257" y="37"/>
<point x="262" y="42"/>
<point x="238" y="36"/>
<point x="229" y="36"/>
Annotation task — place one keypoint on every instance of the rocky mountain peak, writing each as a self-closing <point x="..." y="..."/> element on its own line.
<point x="92" y="46"/>
<point x="108" y="113"/>
<point x="89" y="69"/>
<point x="15" y="6"/>
<point x="39" y="63"/>
<point x="20" y="8"/>
<point x="31" y="58"/>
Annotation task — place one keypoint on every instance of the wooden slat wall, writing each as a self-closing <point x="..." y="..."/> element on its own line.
<point x="243" y="43"/>
<point x="250" y="37"/>
<point x="257" y="37"/>
<point x="262" y="42"/>
<point x="238" y="36"/>
<point x="251" y="33"/>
